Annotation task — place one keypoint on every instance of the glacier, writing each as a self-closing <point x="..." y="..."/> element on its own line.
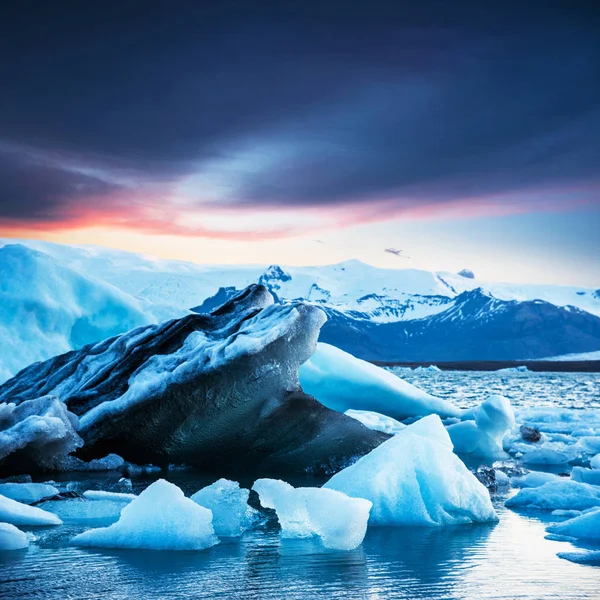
<point x="47" y="308"/>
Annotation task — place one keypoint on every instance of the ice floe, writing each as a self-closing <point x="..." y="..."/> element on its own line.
<point x="415" y="478"/>
<point x="338" y="520"/>
<point x="28" y="493"/>
<point x="483" y="428"/>
<point x="566" y="495"/>
<point x="585" y="526"/>
<point x="12" y="538"/>
<point x="160" y="518"/>
<point x="229" y="505"/>
<point x="17" y="513"/>
<point x="342" y="382"/>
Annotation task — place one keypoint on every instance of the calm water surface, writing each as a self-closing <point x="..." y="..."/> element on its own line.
<point x="508" y="560"/>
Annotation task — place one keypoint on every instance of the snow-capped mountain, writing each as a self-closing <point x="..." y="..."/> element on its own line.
<point x="380" y="314"/>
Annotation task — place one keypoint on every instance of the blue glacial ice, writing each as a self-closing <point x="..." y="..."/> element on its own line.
<point x="415" y="478"/>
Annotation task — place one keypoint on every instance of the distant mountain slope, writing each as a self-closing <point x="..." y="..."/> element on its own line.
<point x="46" y="308"/>
<point x="475" y="326"/>
<point x="380" y="314"/>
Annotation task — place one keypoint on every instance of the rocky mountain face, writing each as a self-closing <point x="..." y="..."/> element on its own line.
<point x="219" y="391"/>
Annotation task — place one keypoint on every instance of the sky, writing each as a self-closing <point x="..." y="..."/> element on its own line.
<point x="465" y="134"/>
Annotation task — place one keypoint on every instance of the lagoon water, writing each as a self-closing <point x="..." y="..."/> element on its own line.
<point x="510" y="559"/>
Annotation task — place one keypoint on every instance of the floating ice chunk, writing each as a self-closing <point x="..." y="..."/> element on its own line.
<point x="376" y="421"/>
<point x="37" y="433"/>
<point x="85" y="511"/>
<point x="590" y="444"/>
<point x="12" y="538"/>
<point x="591" y="476"/>
<point x="17" y="513"/>
<point x="160" y="518"/>
<point x="595" y="462"/>
<point x="483" y="435"/>
<point x="338" y="520"/>
<point x="111" y="496"/>
<point x="586" y="526"/>
<point x="27" y="492"/>
<point x="534" y="479"/>
<point x="229" y="505"/>
<point x="566" y="494"/>
<point x="341" y="382"/>
<point x="414" y="478"/>
<point x="589" y="557"/>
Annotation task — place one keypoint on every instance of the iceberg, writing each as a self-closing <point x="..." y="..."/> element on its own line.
<point x="591" y="476"/>
<point x="17" y="513"/>
<point x="586" y="526"/>
<point x="229" y="505"/>
<point x="339" y="521"/>
<point x="595" y="462"/>
<point x="342" y="382"/>
<point x="28" y="493"/>
<point x="219" y="391"/>
<point x="160" y="518"/>
<point x="111" y="496"/>
<point x="483" y="432"/>
<point x="414" y="478"/>
<point x="36" y="435"/>
<point x="12" y="538"/>
<point x="565" y="495"/>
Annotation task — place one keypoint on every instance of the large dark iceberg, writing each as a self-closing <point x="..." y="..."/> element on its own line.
<point x="217" y="391"/>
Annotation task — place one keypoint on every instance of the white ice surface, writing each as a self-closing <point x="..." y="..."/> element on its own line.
<point x="27" y="493"/>
<point x="35" y="425"/>
<point x="160" y="518"/>
<point x="47" y="308"/>
<point x="483" y="434"/>
<point x="586" y="526"/>
<point x="339" y="521"/>
<point x="566" y="495"/>
<point x="414" y="478"/>
<point x="229" y="505"/>
<point x="341" y="382"/>
<point x="376" y="421"/>
<point x="17" y="513"/>
<point x="12" y="538"/>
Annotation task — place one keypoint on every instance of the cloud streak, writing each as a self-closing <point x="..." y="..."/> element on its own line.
<point x="142" y="118"/>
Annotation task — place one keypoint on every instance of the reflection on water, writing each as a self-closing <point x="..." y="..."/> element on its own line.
<point x="508" y="560"/>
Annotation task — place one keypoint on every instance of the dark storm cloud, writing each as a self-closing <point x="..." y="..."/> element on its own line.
<point x="33" y="191"/>
<point x="351" y="100"/>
